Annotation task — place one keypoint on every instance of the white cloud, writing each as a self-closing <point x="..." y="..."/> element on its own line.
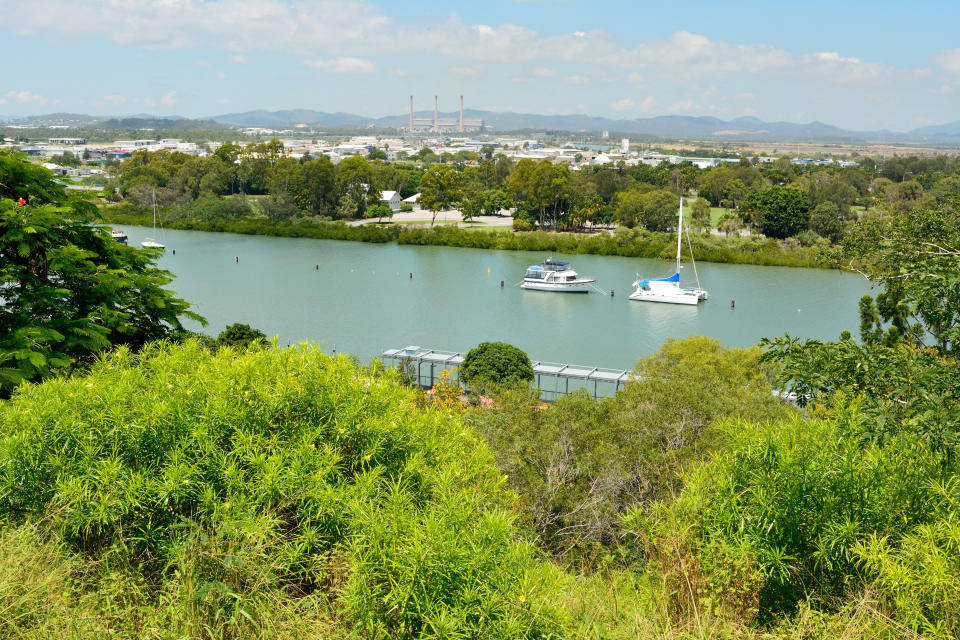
<point x="221" y="76"/>
<point x="647" y="104"/>
<point x="169" y="99"/>
<point x="745" y="97"/>
<point x="681" y="106"/>
<point x="626" y="104"/>
<point x="236" y="25"/>
<point x="201" y="63"/>
<point x="238" y="59"/>
<point x="468" y="72"/>
<point x="948" y="60"/>
<point x="22" y="97"/>
<point x="837" y="68"/>
<point x="577" y="80"/>
<point x="342" y="65"/>
<point x="360" y="28"/>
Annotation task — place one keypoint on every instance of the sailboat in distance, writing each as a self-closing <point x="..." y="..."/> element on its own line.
<point x="668" y="289"/>
<point x="150" y="243"/>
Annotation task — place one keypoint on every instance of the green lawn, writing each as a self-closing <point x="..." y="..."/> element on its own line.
<point x="715" y="213"/>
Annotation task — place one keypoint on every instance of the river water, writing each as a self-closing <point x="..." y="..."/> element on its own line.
<point x="362" y="300"/>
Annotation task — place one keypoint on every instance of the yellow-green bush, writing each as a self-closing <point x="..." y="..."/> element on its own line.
<point x="235" y="484"/>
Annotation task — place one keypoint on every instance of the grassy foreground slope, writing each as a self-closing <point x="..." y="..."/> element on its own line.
<point x="282" y="493"/>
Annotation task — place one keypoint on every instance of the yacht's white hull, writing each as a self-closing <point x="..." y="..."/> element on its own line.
<point x="152" y="244"/>
<point x="577" y="286"/>
<point x="681" y="296"/>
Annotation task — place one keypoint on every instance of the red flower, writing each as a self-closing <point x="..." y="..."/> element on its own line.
<point x="21" y="202"/>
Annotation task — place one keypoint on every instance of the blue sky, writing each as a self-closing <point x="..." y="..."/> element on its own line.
<point x="859" y="65"/>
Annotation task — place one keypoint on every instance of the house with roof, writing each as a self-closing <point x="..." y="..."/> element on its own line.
<point x="413" y="201"/>
<point x="391" y="199"/>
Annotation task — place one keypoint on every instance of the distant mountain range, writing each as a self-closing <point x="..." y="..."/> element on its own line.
<point x="689" y="127"/>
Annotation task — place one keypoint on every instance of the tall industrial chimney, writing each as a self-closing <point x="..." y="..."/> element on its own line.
<point x="461" y="114"/>
<point x="410" y="130"/>
<point x="436" y="114"/>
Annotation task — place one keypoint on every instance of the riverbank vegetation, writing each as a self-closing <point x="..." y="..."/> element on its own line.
<point x="258" y="189"/>
<point x="626" y="242"/>
<point x="179" y="488"/>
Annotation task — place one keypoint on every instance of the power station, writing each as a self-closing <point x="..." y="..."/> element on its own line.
<point x="436" y="124"/>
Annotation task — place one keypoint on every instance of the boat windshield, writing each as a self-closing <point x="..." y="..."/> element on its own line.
<point x="555" y="265"/>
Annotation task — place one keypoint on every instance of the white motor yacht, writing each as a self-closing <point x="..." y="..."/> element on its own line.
<point x="554" y="275"/>
<point x="668" y="289"/>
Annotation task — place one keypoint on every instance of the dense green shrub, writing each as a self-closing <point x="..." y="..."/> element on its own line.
<point x="579" y="464"/>
<point x="278" y="478"/>
<point x="781" y="516"/>
<point x="497" y="363"/>
<point x="239" y="335"/>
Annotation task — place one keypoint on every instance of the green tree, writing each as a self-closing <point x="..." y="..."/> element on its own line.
<point x="497" y="363"/>
<point x="826" y="220"/>
<point x="629" y="204"/>
<point x="239" y="335"/>
<point x="316" y="189"/>
<point x="780" y="212"/>
<point x="439" y="189"/>
<point x="700" y="214"/>
<point x="68" y="289"/>
<point x="379" y="211"/>
<point x="355" y="179"/>
<point x="658" y="211"/>
<point x="376" y="154"/>
<point x="279" y="206"/>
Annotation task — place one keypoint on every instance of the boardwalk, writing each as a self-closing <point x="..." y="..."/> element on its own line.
<point x="554" y="379"/>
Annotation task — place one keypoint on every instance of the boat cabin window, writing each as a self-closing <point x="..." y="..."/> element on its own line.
<point x="571" y="278"/>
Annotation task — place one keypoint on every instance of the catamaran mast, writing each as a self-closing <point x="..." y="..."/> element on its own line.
<point x="679" y="234"/>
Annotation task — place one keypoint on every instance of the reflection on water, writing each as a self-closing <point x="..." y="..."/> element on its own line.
<point x="362" y="300"/>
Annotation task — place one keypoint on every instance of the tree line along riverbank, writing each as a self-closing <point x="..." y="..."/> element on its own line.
<point x="632" y="243"/>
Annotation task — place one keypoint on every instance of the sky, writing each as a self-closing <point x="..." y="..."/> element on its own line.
<point x="857" y="65"/>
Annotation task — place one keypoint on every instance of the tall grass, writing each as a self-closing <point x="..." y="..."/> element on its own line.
<point x="235" y="488"/>
<point x="803" y="512"/>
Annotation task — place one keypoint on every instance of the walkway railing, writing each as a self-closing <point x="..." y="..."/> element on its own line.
<point x="604" y="381"/>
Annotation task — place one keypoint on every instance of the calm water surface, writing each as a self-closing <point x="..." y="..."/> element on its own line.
<point x="362" y="300"/>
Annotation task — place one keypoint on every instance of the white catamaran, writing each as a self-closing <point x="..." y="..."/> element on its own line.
<point x="150" y="243"/>
<point x="668" y="289"/>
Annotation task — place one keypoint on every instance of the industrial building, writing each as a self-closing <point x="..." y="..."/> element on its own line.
<point x="436" y="124"/>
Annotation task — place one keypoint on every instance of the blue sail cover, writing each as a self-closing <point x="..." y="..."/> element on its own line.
<point x="674" y="278"/>
<point x="556" y="263"/>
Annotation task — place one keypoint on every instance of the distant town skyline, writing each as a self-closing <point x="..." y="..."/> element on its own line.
<point x="857" y="65"/>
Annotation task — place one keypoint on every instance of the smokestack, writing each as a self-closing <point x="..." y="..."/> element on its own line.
<point x="436" y="114"/>
<point x="461" y="114"/>
<point x="411" y="115"/>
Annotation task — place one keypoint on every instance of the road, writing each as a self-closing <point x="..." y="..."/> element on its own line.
<point x="443" y="216"/>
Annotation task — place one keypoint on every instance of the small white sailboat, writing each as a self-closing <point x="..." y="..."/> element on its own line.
<point x="554" y="275"/>
<point x="668" y="289"/>
<point x="150" y="243"/>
